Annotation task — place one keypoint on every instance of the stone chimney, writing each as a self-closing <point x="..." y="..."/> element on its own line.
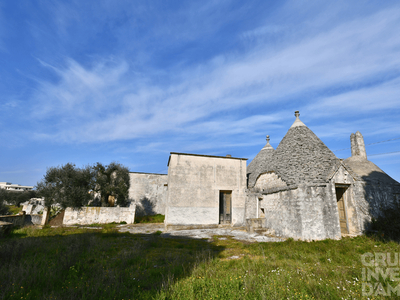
<point x="357" y="145"/>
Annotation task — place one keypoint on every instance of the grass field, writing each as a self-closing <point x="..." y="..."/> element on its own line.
<point x="73" y="263"/>
<point x="14" y="209"/>
<point x="150" y="219"/>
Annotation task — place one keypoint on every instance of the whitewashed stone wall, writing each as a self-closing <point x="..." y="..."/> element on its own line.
<point x="307" y="213"/>
<point x="268" y="181"/>
<point x="101" y="215"/>
<point x="194" y="185"/>
<point x="343" y="177"/>
<point x="149" y="192"/>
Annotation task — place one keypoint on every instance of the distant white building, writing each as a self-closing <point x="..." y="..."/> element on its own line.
<point x="15" y="187"/>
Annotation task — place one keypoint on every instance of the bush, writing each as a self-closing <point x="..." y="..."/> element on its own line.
<point x="388" y="224"/>
<point x="16" y="197"/>
<point x="3" y="209"/>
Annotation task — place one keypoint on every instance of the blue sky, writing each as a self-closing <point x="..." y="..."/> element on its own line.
<point x="131" y="81"/>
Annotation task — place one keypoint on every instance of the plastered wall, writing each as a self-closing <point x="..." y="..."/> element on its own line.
<point x="101" y="215"/>
<point x="307" y="213"/>
<point x="194" y="184"/>
<point x="149" y="192"/>
<point x="342" y="178"/>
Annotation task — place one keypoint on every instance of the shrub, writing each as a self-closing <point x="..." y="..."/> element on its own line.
<point x="388" y="224"/>
<point x="3" y="209"/>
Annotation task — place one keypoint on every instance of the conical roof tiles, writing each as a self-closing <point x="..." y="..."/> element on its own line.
<point x="300" y="158"/>
<point x="260" y="163"/>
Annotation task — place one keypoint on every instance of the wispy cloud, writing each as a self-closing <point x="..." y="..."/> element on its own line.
<point x="109" y="100"/>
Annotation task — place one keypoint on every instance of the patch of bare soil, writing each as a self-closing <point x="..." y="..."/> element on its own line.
<point x="58" y="219"/>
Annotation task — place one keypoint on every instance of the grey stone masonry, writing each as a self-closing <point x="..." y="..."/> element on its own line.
<point x="357" y="145"/>
<point x="260" y="163"/>
<point x="302" y="158"/>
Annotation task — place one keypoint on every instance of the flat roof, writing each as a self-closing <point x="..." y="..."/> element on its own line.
<point x="148" y="173"/>
<point x="204" y="155"/>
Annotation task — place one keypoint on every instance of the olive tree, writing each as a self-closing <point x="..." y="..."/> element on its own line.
<point x="16" y="197"/>
<point x="3" y="208"/>
<point x="75" y="187"/>
<point x="111" y="180"/>
<point x="67" y="185"/>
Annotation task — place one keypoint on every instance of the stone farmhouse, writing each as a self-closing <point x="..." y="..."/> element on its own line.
<point x="299" y="190"/>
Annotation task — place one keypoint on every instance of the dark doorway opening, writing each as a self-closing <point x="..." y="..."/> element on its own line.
<point x="340" y="198"/>
<point x="225" y="207"/>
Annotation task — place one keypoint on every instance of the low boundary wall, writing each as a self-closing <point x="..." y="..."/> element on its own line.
<point x="100" y="215"/>
<point x="16" y="220"/>
<point x="33" y="219"/>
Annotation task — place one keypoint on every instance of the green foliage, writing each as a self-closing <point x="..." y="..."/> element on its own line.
<point x="3" y="208"/>
<point x="150" y="219"/>
<point x="14" y="210"/>
<point x="76" y="263"/>
<point x="67" y="185"/>
<point x="16" y="197"/>
<point x="112" y="180"/>
<point x="388" y="224"/>
<point x="71" y="186"/>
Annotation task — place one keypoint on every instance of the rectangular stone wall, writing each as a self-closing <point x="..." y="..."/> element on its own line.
<point x="371" y="198"/>
<point x="194" y="185"/>
<point x="251" y="205"/>
<point x="149" y="192"/>
<point x="33" y="219"/>
<point x="320" y="217"/>
<point x="306" y="213"/>
<point x="100" y="215"/>
<point x="342" y="178"/>
<point x="282" y="213"/>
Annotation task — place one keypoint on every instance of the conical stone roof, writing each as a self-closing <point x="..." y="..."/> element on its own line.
<point x="368" y="171"/>
<point x="300" y="158"/>
<point x="260" y="163"/>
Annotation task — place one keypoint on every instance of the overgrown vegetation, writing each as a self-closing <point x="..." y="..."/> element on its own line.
<point x="150" y="219"/>
<point x="388" y="223"/>
<point x="14" y="210"/>
<point x="71" y="186"/>
<point x="4" y="209"/>
<point x="74" y="263"/>
<point x="16" y="197"/>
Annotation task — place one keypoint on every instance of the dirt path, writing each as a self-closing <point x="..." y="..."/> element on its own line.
<point x="237" y="234"/>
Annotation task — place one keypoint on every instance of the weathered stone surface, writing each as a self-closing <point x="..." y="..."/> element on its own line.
<point x="259" y="164"/>
<point x="33" y="206"/>
<point x="194" y="185"/>
<point x="357" y="145"/>
<point x="101" y="215"/>
<point x="268" y="181"/>
<point x="149" y="192"/>
<point x="33" y="219"/>
<point x="45" y="216"/>
<point x="302" y="158"/>
<point x="306" y="213"/>
<point x="374" y="190"/>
